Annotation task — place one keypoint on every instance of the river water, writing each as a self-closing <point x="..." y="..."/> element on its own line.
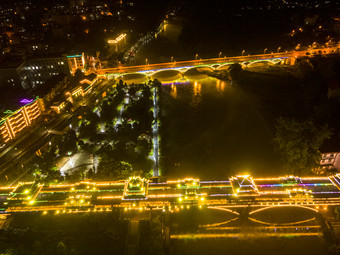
<point x="211" y="129"/>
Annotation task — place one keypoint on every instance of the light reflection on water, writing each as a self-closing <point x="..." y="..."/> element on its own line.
<point x="179" y="88"/>
<point x="197" y="95"/>
<point x="173" y="92"/>
<point x="220" y="85"/>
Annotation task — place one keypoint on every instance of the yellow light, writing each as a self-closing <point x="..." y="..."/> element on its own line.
<point x="200" y="206"/>
<point x="202" y="198"/>
<point x="26" y="191"/>
<point x="180" y="199"/>
<point x="72" y="201"/>
<point x="133" y="204"/>
<point x="31" y="202"/>
<point x="125" y="209"/>
<point x="72" y="188"/>
<point x="178" y="185"/>
<point x="57" y="212"/>
<point x="81" y="201"/>
<point x="45" y="212"/>
<point x="188" y="206"/>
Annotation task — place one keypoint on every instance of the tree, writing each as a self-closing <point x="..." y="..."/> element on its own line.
<point x="61" y="249"/>
<point x="68" y="143"/>
<point x="298" y="144"/>
<point x="78" y="74"/>
<point x="235" y="70"/>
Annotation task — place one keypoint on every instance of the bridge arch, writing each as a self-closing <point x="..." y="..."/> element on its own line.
<point x="202" y="67"/>
<point x="261" y="61"/>
<point x="130" y="78"/>
<point x="167" y="75"/>
<point x="282" y="206"/>
<point x="224" y="66"/>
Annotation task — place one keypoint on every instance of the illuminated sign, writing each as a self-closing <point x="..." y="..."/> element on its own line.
<point x="26" y="101"/>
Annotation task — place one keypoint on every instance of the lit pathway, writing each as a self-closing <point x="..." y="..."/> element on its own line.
<point x="155" y="134"/>
<point x="126" y="101"/>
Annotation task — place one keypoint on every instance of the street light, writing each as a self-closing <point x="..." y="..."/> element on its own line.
<point x="219" y="54"/>
<point x="196" y="56"/>
<point x="172" y="59"/>
<point x="264" y="52"/>
<point x="243" y="52"/>
<point x="146" y="61"/>
<point x="278" y="49"/>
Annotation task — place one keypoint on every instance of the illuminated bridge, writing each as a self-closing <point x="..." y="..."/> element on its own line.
<point x="136" y="193"/>
<point x="214" y="63"/>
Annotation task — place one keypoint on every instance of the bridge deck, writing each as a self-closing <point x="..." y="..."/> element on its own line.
<point x="235" y="192"/>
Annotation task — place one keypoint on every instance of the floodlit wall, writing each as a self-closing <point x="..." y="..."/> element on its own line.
<point x="12" y="124"/>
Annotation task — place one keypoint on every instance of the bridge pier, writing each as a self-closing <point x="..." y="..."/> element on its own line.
<point x="134" y="218"/>
<point x="166" y="232"/>
<point x="244" y="216"/>
<point x="3" y="218"/>
<point x="290" y="61"/>
<point x="327" y="229"/>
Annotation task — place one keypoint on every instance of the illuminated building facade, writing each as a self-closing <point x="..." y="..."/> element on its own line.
<point x="118" y="43"/>
<point x="85" y="87"/>
<point x="76" y="62"/>
<point x="14" y="122"/>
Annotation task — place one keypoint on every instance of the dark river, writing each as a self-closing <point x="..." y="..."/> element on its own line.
<point x="211" y="129"/>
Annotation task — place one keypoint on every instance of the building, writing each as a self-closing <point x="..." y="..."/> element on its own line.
<point x="76" y="62"/>
<point x="10" y="73"/>
<point x="15" y="122"/>
<point x="330" y="160"/>
<point x="37" y="70"/>
<point x="84" y="87"/>
<point x="118" y="43"/>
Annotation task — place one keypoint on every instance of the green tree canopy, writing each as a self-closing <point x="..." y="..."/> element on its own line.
<point x="298" y="144"/>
